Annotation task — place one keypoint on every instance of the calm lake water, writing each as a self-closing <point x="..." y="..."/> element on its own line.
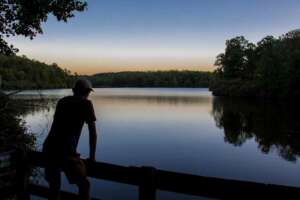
<point x="184" y="130"/>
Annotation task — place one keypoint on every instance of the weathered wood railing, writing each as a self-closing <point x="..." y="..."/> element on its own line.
<point x="149" y="180"/>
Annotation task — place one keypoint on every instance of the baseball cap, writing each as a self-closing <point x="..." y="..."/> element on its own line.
<point x="83" y="85"/>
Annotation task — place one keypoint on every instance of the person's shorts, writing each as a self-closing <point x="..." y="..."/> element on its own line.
<point x="72" y="166"/>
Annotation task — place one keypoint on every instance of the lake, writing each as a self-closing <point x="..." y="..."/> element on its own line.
<point x="184" y="130"/>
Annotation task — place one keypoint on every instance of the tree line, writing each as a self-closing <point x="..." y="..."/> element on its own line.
<point x="270" y="68"/>
<point x="172" y="78"/>
<point x="22" y="73"/>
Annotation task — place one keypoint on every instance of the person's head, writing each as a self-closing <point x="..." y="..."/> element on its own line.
<point x="82" y="88"/>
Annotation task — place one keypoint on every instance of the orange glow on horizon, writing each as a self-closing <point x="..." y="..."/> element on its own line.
<point x="94" y="70"/>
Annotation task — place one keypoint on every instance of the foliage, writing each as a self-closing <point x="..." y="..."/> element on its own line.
<point x="23" y="73"/>
<point x="25" y="17"/>
<point x="152" y="79"/>
<point x="271" y="68"/>
<point x="13" y="132"/>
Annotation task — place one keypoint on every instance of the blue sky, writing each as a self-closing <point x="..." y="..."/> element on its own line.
<point x="117" y="35"/>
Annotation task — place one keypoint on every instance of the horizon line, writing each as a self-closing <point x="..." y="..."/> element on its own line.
<point x="210" y="69"/>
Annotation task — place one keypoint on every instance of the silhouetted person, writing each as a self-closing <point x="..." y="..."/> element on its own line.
<point x="61" y="143"/>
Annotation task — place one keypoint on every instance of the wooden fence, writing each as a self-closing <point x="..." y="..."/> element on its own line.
<point x="147" y="179"/>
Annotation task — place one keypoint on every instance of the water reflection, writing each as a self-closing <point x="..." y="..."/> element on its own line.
<point x="274" y="125"/>
<point x="142" y="129"/>
<point x="183" y="130"/>
<point x="33" y="106"/>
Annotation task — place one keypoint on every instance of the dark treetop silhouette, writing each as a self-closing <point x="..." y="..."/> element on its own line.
<point x="271" y="68"/>
<point x="24" y="17"/>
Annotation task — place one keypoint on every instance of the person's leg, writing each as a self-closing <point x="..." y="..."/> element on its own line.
<point x="54" y="180"/>
<point x="84" y="189"/>
<point x="76" y="173"/>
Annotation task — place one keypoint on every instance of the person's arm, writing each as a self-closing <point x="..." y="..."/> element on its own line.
<point x="92" y="140"/>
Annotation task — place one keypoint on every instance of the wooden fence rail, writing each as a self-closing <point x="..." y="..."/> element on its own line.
<point x="149" y="180"/>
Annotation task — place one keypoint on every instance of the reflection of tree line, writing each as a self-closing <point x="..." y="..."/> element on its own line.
<point x="172" y="100"/>
<point x="31" y="106"/>
<point x="275" y="126"/>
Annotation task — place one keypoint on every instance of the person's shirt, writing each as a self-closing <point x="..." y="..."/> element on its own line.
<point x="70" y="115"/>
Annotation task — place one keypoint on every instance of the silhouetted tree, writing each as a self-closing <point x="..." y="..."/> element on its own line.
<point x="233" y="62"/>
<point x="24" y="17"/>
<point x="269" y="69"/>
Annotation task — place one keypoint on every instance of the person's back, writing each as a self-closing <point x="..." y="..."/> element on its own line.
<point x="70" y="115"/>
<point x="61" y="143"/>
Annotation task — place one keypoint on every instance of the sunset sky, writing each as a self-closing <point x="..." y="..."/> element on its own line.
<point x="119" y="35"/>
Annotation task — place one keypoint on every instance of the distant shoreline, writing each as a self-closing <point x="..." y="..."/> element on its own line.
<point x="43" y="89"/>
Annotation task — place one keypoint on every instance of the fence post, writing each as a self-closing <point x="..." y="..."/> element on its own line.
<point x="147" y="188"/>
